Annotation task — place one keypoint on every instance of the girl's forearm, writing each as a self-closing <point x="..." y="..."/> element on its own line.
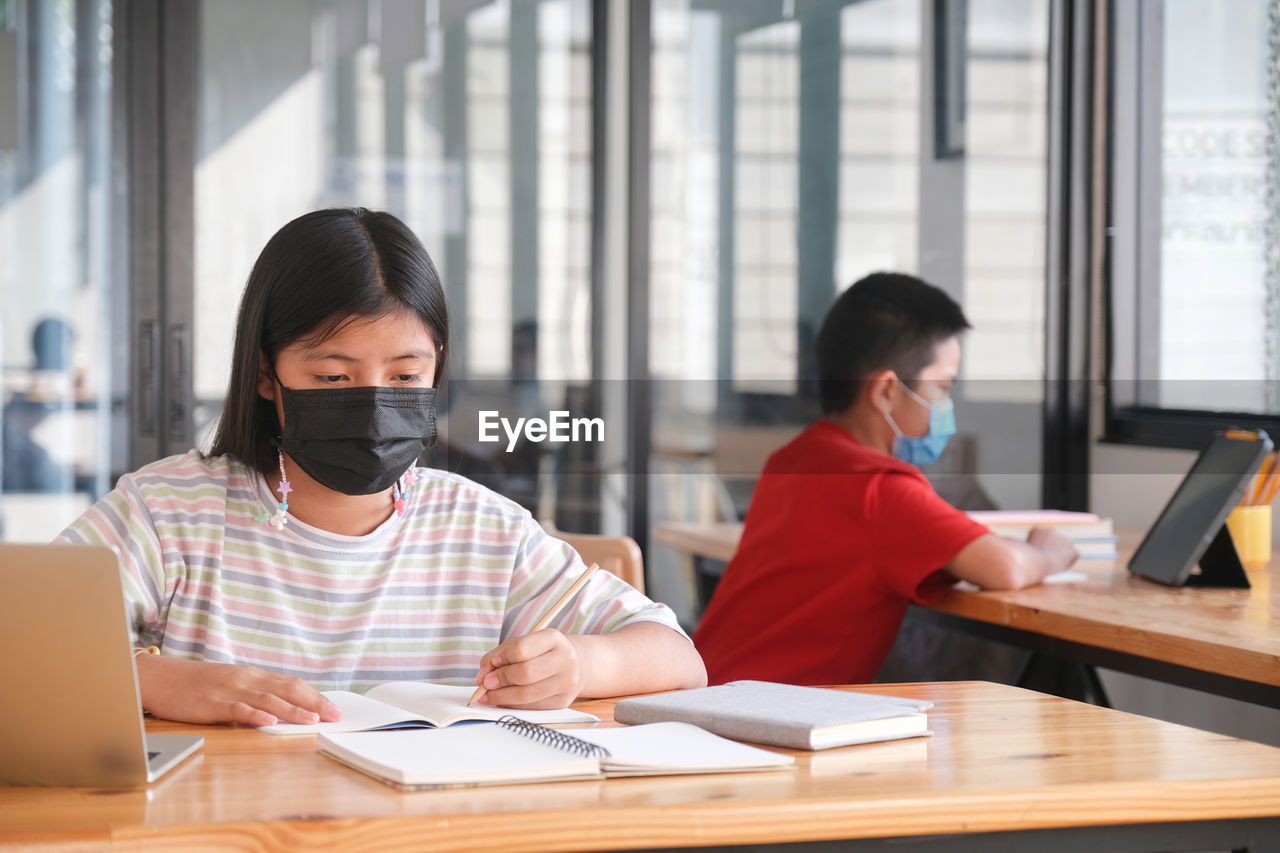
<point x="643" y="657"/>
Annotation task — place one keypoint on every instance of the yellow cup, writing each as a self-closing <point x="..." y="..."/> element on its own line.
<point x="1250" y="528"/>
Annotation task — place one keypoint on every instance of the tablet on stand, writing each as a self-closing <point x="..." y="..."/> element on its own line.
<point x="1192" y="528"/>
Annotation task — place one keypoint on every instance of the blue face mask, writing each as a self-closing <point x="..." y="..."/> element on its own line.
<point x="925" y="449"/>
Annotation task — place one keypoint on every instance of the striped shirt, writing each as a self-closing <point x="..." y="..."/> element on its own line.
<point x="421" y="598"/>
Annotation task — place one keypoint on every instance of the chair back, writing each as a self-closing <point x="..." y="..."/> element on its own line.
<point x="617" y="554"/>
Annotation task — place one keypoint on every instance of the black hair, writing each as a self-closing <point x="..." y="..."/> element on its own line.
<point x="313" y="276"/>
<point x="884" y="321"/>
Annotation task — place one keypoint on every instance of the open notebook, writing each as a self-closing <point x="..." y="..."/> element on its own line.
<point x="513" y="751"/>
<point x="416" y="704"/>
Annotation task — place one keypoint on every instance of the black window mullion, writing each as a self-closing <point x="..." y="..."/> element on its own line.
<point x="178" y="99"/>
<point x="639" y="391"/>
<point x="139" y="30"/>
<point x="1065" y="482"/>
<point x="157" y="94"/>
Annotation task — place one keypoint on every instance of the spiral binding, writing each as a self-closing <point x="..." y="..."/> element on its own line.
<point x="552" y="737"/>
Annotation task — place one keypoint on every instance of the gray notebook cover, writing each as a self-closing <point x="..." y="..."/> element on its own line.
<point x="766" y="712"/>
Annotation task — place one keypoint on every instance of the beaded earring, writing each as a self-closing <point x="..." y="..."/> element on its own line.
<point x="400" y="490"/>
<point x="281" y="518"/>
<point x="399" y="496"/>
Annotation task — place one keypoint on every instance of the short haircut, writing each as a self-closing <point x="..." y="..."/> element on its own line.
<point x="313" y="276"/>
<point x="885" y="321"/>
<point x="51" y="341"/>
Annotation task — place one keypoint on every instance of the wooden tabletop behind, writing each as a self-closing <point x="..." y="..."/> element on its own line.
<point x="1233" y="632"/>
<point x="1001" y="758"/>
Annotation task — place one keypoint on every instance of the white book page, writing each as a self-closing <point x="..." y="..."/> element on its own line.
<point x="677" y="748"/>
<point x="1064" y="576"/>
<point x="444" y="704"/>
<point x="421" y="702"/>
<point x="359" y="713"/>
<point x="1067" y="576"/>
<point x="479" y="754"/>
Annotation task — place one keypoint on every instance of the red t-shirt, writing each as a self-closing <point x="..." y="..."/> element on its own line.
<point x="839" y="538"/>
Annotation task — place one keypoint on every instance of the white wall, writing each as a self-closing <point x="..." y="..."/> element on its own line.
<point x="1131" y="485"/>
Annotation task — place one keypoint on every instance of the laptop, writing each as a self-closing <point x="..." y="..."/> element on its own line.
<point x="70" y="713"/>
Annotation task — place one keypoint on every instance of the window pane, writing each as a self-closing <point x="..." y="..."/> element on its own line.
<point x="474" y="129"/>
<point x="789" y="160"/>
<point x="1006" y="180"/>
<point x="62" y="349"/>
<point x="1218" y="301"/>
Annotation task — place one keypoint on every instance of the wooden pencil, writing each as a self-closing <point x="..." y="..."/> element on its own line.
<point x="551" y="613"/>
<point x="1272" y="484"/>
<point x="1260" y="482"/>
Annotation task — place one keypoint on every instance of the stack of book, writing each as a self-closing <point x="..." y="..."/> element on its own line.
<point x="1093" y="536"/>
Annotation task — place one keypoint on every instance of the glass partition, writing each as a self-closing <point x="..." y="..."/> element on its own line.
<point x="795" y="148"/>
<point x="470" y="121"/>
<point x="61" y="348"/>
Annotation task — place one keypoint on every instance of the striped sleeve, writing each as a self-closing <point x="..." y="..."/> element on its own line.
<point x="121" y="521"/>
<point x="546" y="567"/>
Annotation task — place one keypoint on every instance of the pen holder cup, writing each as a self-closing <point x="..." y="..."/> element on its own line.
<point x="1250" y="528"/>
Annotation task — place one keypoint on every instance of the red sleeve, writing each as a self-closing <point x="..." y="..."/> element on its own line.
<point x="918" y="533"/>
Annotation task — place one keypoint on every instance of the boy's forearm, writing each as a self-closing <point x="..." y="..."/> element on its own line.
<point x="1000" y="563"/>
<point x="639" y="658"/>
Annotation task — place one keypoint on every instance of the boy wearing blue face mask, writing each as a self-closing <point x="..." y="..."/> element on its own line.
<point x="844" y="531"/>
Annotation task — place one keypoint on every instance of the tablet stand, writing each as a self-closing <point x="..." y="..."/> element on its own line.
<point x="1220" y="564"/>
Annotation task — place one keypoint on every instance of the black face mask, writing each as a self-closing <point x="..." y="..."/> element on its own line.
<point x="357" y="441"/>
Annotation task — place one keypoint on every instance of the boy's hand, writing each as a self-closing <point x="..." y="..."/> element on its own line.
<point x="201" y="692"/>
<point x="538" y="670"/>
<point x="1057" y="547"/>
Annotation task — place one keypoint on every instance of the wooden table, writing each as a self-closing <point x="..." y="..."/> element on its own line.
<point x="1035" y="769"/>
<point x="1224" y="641"/>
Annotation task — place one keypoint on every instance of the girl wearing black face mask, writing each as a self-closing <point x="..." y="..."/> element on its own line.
<point x="307" y="551"/>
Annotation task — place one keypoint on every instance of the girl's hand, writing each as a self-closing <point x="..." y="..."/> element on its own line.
<point x="538" y="670"/>
<point x="201" y="692"/>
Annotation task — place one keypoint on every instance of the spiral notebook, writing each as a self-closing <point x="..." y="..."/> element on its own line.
<point x="515" y="751"/>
